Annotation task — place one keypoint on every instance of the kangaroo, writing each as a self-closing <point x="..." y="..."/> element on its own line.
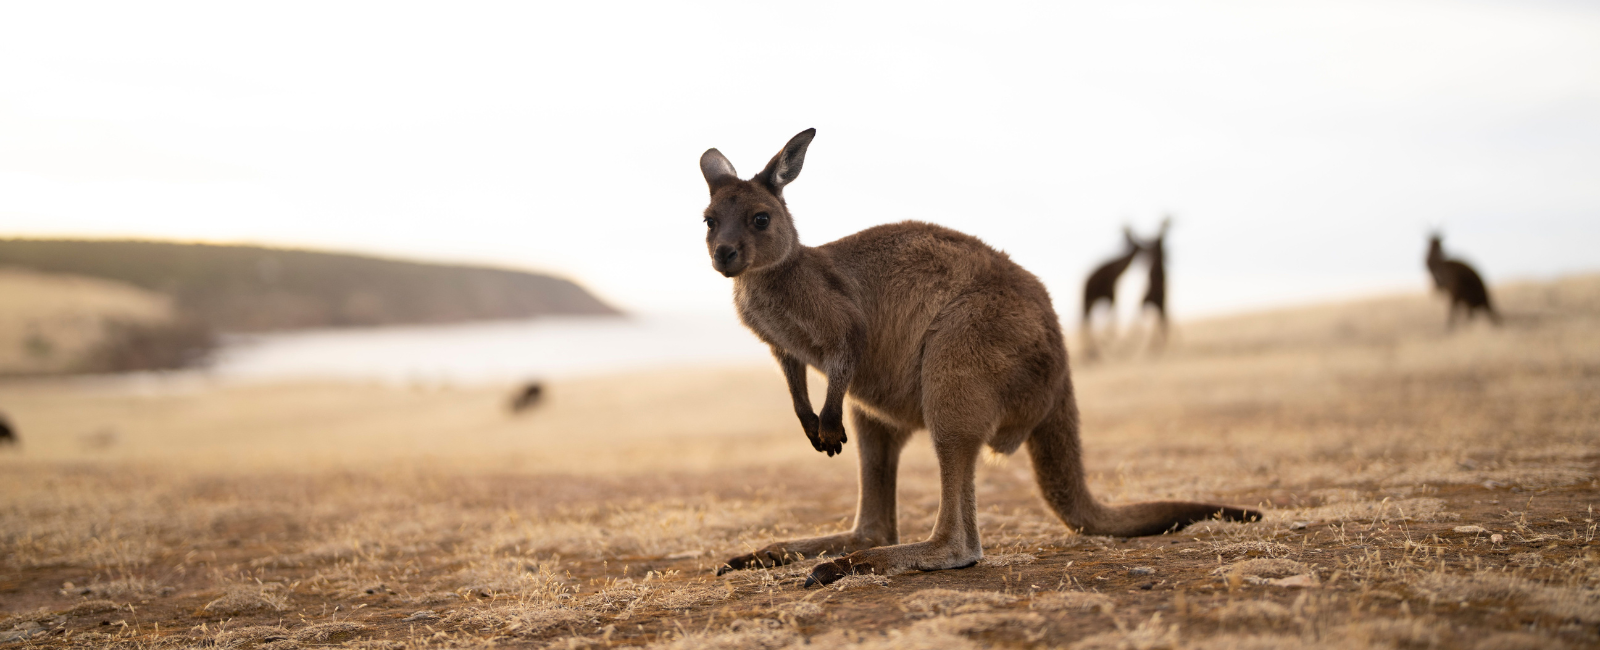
<point x="1155" y="295"/>
<point x="527" y="397"/>
<point x="924" y="328"/>
<point x="1102" y="286"/>
<point x="1464" y="285"/>
<point x="7" y="435"/>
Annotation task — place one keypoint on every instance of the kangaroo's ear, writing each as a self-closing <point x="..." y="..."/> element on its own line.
<point x="785" y="167"/>
<point x="716" y="168"/>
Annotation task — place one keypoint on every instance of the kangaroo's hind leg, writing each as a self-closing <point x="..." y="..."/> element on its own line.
<point x="879" y="445"/>
<point x="962" y="407"/>
<point x="954" y="543"/>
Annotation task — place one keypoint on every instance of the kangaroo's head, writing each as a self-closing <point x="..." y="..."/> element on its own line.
<point x="1435" y="246"/>
<point x="1131" y="245"/>
<point x="1157" y="243"/>
<point x="747" y="223"/>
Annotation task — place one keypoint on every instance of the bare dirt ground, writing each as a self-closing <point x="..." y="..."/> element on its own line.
<point x="1423" y="489"/>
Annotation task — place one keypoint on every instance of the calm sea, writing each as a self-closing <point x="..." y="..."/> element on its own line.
<point x="491" y="351"/>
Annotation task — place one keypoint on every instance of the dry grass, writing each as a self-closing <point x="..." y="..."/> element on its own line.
<point x="52" y="323"/>
<point x="1422" y="490"/>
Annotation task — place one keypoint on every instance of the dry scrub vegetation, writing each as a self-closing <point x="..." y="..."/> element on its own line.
<point x="57" y="324"/>
<point x="1423" y="490"/>
<point x="53" y="323"/>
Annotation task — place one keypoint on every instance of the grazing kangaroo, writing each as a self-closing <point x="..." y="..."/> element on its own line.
<point x="1102" y="286"/>
<point x="1464" y="285"/>
<point x="527" y="397"/>
<point x="925" y="328"/>
<point x="1156" y="294"/>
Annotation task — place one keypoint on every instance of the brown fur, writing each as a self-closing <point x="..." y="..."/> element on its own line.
<point x="1155" y="294"/>
<point x="527" y="397"/>
<point x="1102" y="286"/>
<point x="925" y="328"/>
<point x="1458" y="279"/>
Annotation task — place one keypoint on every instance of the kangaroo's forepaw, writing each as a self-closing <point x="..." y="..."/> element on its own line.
<point x="830" y="438"/>
<point x="828" y="573"/>
<point x="809" y="423"/>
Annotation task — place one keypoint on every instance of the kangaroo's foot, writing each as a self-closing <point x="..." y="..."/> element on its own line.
<point x="884" y="560"/>
<point x="781" y="553"/>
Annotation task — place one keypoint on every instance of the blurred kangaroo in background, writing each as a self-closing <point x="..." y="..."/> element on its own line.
<point x="527" y="397"/>
<point x="925" y="328"/>
<point x="7" y="435"/>
<point x="1464" y="285"/>
<point x="1102" y="286"/>
<point x="1155" y="295"/>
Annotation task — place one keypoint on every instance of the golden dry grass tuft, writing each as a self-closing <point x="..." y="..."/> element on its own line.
<point x="1423" y="489"/>
<point x="940" y="602"/>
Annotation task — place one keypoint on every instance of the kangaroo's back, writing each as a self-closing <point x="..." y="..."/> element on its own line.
<point x="912" y="279"/>
<point x="913" y="267"/>
<point x="1466" y="286"/>
<point x="1457" y="278"/>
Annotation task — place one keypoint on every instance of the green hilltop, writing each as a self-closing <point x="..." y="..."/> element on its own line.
<point x="253" y="289"/>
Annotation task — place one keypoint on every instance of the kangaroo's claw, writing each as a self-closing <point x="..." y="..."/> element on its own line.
<point x="828" y="573"/>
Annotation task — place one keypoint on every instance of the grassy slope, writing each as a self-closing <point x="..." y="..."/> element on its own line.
<point x="247" y="288"/>
<point x="51" y="323"/>
<point x="333" y="514"/>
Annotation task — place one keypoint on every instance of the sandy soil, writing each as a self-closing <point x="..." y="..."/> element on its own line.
<point x="1424" y="488"/>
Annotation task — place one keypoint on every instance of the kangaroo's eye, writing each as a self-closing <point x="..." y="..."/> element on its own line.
<point x="761" y="221"/>
<point x="711" y="223"/>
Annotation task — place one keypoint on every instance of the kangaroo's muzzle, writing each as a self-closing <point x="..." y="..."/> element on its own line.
<point x="727" y="260"/>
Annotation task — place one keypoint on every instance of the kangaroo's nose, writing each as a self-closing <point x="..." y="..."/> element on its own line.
<point x="726" y="254"/>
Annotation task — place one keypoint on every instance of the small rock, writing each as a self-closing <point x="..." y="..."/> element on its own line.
<point x="1299" y="525"/>
<point x="1141" y="571"/>
<point x="1302" y="580"/>
<point x="1469" y="529"/>
<point x="419" y="617"/>
<point x="860" y="581"/>
<point x="1496" y="538"/>
<point x="1490" y="485"/>
<point x="22" y="631"/>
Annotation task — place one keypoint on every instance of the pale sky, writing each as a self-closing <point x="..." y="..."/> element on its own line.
<point x="1304" y="148"/>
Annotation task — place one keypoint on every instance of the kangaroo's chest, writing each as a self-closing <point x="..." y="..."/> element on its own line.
<point x="778" y="323"/>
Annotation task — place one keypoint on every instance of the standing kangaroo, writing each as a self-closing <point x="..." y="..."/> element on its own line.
<point x="1102" y="286"/>
<point x="1156" y="294"/>
<point x="926" y="328"/>
<point x="1455" y="277"/>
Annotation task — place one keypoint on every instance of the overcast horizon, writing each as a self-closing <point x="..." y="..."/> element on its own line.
<point x="1304" y="151"/>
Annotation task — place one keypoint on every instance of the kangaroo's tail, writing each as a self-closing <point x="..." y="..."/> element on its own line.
<point x="1058" y="466"/>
